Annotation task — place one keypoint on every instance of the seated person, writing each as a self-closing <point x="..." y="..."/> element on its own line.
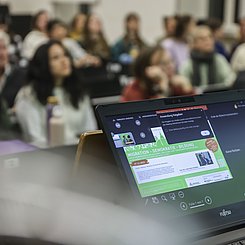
<point x="217" y="29"/>
<point x="37" y="35"/>
<point x="58" y="30"/>
<point x="238" y="65"/>
<point x="77" y="27"/>
<point x="205" y="68"/>
<point x="153" y="78"/>
<point x="126" y="49"/>
<point x="178" y="44"/>
<point x="15" y="40"/>
<point x="94" y="41"/>
<point x="241" y="37"/>
<point x="51" y="73"/>
<point x="169" y="25"/>
<point x="12" y="77"/>
<point x="179" y="84"/>
<point x="150" y="80"/>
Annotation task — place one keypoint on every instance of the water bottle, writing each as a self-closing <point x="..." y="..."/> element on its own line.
<point x="56" y="127"/>
<point x="52" y="101"/>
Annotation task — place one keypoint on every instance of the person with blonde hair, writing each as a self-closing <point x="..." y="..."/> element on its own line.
<point x="77" y="27"/>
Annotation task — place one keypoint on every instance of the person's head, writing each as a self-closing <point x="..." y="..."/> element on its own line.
<point x="40" y="21"/>
<point x="149" y="71"/>
<point x="203" y="40"/>
<point x="78" y="22"/>
<point x="149" y="57"/>
<point x="4" y="43"/>
<point x="216" y="27"/>
<point x="52" y="66"/>
<point x="184" y="26"/>
<point x="57" y="29"/>
<point x="93" y="25"/>
<point x="169" y="25"/>
<point x="132" y="23"/>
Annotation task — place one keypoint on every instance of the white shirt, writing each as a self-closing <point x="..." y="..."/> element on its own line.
<point x="31" y="43"/>
<point x="33" y="118"/>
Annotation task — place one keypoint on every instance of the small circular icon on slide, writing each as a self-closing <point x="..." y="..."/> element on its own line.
<point x="137" y="122"/>
<point x="181" y="194"/>
<point x="118" y="125"/>
<point x="183" y="206"/>
<point x="205" y="133"/>
<point x="208" y="200"/>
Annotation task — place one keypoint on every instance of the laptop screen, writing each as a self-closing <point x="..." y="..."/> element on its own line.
<point x="188" y="157"/>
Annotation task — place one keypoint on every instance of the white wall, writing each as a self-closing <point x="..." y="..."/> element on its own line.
<point x="28" y="6"/>
<point x="242" y="8"/>
<point x="151" y="11"/>
<point x="197" y="8"/>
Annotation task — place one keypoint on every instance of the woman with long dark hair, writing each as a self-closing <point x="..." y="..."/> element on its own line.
<point x="179" y="44"/>
<point x="94" y="41"/>
<point x="150" y="80"/>
<point x="127" y="48"/>
<point x="51" y="73"/>
<point x="155" y="77"/>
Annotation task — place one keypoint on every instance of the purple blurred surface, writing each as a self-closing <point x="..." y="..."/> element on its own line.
<point x="15" y="146"/>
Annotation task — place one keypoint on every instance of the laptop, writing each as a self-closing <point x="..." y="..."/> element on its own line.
<point x="184" y="154"/>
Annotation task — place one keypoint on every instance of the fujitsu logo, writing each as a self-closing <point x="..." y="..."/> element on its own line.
<point x="225" y="213"/>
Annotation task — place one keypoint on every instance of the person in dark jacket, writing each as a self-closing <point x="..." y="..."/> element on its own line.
<point x="12" y="77"/>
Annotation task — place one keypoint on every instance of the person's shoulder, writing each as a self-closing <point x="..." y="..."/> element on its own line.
<point x="26" y="93"/>
<point x="35" y="35"/>
<point x="220" y="58"/>
<point x="18" y="70"/>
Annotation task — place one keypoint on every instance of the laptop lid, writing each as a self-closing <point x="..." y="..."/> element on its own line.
<point x="183" y="153"/>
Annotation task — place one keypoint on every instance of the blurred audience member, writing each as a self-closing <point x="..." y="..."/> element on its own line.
<point x="15" y="45"/>
<point x="77" y="27"/>
<point x="207" y="69"/>
<point x="12" y="77"/>
<point x="51" y="73"/>
<point x="37" y="36"/>
<point x="238" y="65"/>
<point x="169" y="26"/>
<point x="58" y="30"/>
<point x="94" y="40"/>
<point x="241" y="36"/>
<point x="238" y="59"/>
<point x="179" y="85"/>
<point x="150" y="79"/>
<point x="178" y="45"/>
<point x="127" y="48"/>
<point x="217" y="29"/>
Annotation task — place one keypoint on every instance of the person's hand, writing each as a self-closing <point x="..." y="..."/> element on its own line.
<point x="183" y="83"/>
<point x="93" y="60"/>
<point x="88" y="60"/>
<point x="159" y="77"/>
